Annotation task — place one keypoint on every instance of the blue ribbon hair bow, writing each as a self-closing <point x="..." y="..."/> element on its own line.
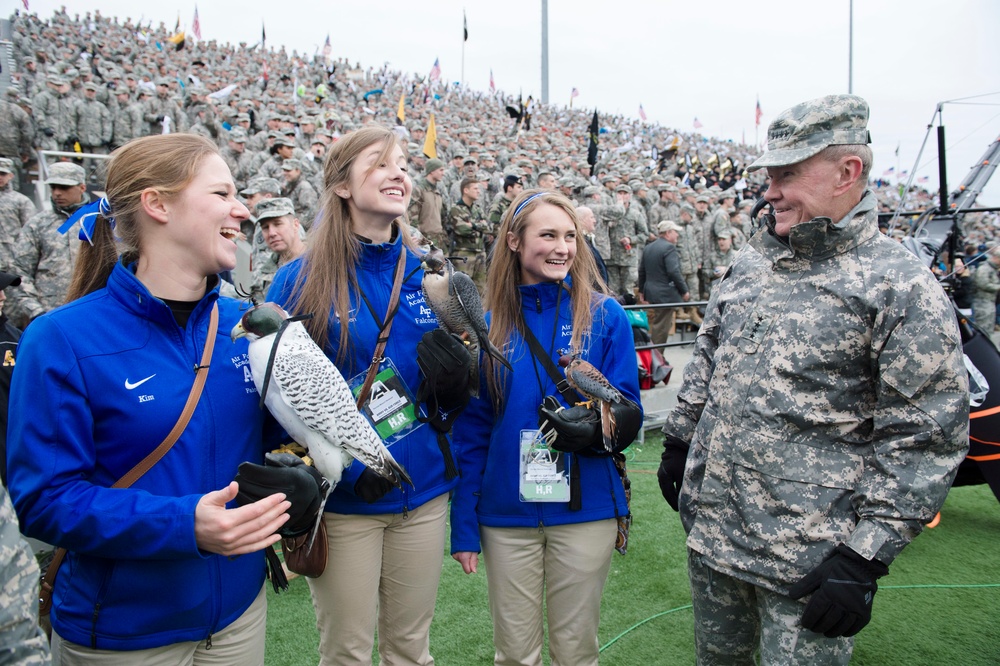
<point x="87" y="215"/>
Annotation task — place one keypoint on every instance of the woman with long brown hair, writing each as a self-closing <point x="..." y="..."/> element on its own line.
<point x="540" y="492"/>
<point x="361" y="279"/>
<point x="159" y="571"/>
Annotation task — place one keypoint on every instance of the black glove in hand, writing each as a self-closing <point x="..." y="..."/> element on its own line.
<point x="371" y="487"/>
<point x="671" y="472"/>
<point x="445" y="363"/>
<point x="842" y="588"/>
<point x="575" y="428"/>
<point x="285" y="473"/>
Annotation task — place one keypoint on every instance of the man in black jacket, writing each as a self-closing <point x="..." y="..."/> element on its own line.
<point x="661" y="281"/>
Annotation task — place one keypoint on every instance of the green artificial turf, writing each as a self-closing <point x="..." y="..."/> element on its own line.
<point x="940" y="603"/>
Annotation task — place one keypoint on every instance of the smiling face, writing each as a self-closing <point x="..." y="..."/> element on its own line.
<point x="378" y="187"/>
<point x="803" y="191"/>
<point x="203" y="221"/>
<point x="546" y="246"/>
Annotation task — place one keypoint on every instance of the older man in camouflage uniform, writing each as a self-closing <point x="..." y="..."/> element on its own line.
<point x="21" y="639"/>
<point x="43" y="257"/>
<point x="826" y="409"/>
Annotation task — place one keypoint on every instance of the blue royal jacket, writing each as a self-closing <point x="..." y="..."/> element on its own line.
<point x="418" y="451"/>
<point x="489" y="449"/>
<point x="99" y="384"/>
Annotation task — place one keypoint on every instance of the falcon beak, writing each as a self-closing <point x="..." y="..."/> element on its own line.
<point x="237" y="332"/>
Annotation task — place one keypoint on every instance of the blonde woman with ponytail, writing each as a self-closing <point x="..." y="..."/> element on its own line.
<point x="160" y="572"/>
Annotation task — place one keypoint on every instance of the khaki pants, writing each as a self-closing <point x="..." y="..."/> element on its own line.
<point x="239" y="644"/>
<point x="567" y="565"/>
<point x="383" y="570"/>
<point x="734" y="619"/>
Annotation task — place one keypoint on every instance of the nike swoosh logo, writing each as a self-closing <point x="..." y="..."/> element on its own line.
<point x="129" y="385"/>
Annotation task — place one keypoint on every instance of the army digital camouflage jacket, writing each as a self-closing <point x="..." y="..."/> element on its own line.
<point x="826" y="402"/>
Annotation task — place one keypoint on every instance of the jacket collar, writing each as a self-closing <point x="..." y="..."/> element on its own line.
<point x="126" y="288"/>
<point x="821" y="237"/>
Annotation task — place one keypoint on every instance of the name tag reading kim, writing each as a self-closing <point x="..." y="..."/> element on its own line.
<point x="390" y="408"/>
<point x="543" y="473"/>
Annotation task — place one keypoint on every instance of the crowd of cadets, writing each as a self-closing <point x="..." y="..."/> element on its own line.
<point x="91" y="83"/>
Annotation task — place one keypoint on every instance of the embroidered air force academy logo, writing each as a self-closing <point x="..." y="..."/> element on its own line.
<point x="8" y="358"/>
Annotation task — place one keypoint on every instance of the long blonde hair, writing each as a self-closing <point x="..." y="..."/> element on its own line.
<point x="504" y="302"/>
<point x="328" y="276"/>
<point x="166" y="163"/>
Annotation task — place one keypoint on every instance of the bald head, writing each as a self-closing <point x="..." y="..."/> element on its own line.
<point x="587" y="220"/>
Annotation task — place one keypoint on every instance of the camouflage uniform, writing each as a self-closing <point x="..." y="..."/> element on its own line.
<point x="23" y="641"/>
<point x="53" y="114"/>
<point x="818" y="357"/>
<point x="127" y="123"/>
<point x="702" y="224"/>
<point x="15" y="211"/>
<point x="428" y="214"/>
<point x="305" y="199"/>
<point x="469" y="229"/>
<point x="93" y="126"/>
<point x="16" y="133"/>
<point x="718" y="262"/>
<point x="44" y="259"/>
<point x="622" y="262"/>
<point x="155" y="108"/>
<point x="496" y="212"/>
<point x="986" y="284"/>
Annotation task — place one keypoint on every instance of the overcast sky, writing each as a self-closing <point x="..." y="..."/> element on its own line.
<point x="710" y="59"/>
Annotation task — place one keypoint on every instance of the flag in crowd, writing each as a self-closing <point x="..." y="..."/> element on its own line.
<point x="758" y="114"/>
<point x="401" y="112"/>
<point x="327" y="49"/>
<point x="430" y="140"/>
<point x="923" y="179"/>
<point x="465" y="27"/>
<point x="493" y="86"/>
<point x="595" y="130"/>
<point x="25" y="5"/>
<point x="889" y="171"/>
<point x="263" y="36"/>
<point x="435" y="70"/>
<point x="642" y="114"/>
<point x="697" y="123"/>
<point x="574" y="93"/>
<point x="196" y="24"/>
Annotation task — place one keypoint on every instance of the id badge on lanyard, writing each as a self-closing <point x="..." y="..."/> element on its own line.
<point x="543" y="473"/>
<point x="390" y="408"/>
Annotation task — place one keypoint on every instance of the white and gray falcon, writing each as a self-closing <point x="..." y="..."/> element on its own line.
<point x="310" y="399"/>
<point x="454" y="298"/>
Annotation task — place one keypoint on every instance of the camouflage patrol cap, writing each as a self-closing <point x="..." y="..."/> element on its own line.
<point x="623" y="188"/>
<point x="66" y="173"/>
<point x="6" y="165"/>
<point x="805" y="129"/>
<point x="278" y="207"/>
<point x="283" y="140"/>
<point x="261" y="184"/>
<point x="238" y="135"/>
<point x="591" y="190"/>
<point x="291" y="164"/>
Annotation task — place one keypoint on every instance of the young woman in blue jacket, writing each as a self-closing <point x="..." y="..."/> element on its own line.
<point x="386" y="545"/>
<point x="540" y="494"/>
<point x="162" y="571"/>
